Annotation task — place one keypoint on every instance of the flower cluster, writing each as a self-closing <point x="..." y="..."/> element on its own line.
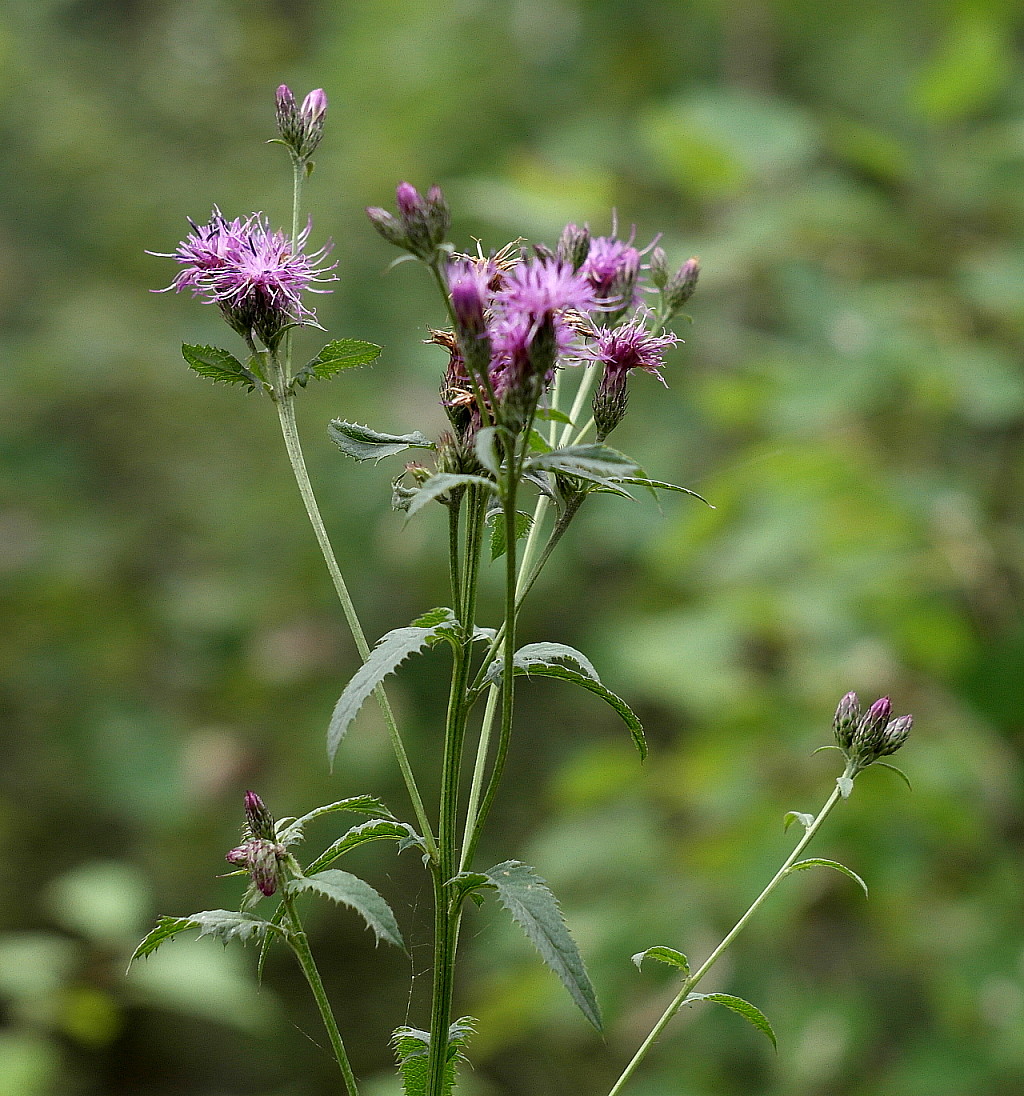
<point x="260" y="853"/>
<point x="301" y="127"/>
<point x="864" y="738"/>
<point x="255" y="274"/>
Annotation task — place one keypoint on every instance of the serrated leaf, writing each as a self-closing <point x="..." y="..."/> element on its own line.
<point x="591" y="683"/>
<point x="818" y="862"/>
<point x="751" y="1013"/>
<point x="643" y="481"/>
<point x="897" y="770"/>
<point x="290" y="831"/>
<point x="467" y="883"/>
<point x="598" y="463"/>
<point x="804" y="819"/>
<point x="342" y="354"/>
<point x="376" y="829"/>
<point x="535" y="909"/>
<point x="362" y="443"/>
<point x="412" y="1050"/>
<point x="496" y="520"/>
<point x="349" y="890"/>
<point x="226" y="925"/>
<point x="845" y="785"/>
<point x="537" y="443"/>
<point x="664" y="955"/>
<point x="217" y="365"/>
<point x="391" y="650"/>
<point x="441" y="482"/>
<point x="533" y="655"/>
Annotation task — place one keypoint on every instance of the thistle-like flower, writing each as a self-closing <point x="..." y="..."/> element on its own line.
<point x="256" y="275"/>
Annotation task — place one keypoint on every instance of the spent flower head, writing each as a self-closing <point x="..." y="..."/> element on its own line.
<point x="255" y="274"/>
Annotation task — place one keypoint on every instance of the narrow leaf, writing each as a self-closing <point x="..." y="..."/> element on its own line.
<point x="538" y="443"/>
<point x="552" y="414"/>
<point x="749" y="1012"/>
<point x="226" y="925"/>
<point x="642" y="481"/>
<point x="342" y="354"/>
<point x="350" y="890"/>
<point x="376" y="829"/>
<point x="391" y="650"/>
<point x="535" y="909"/>
<point x="290" y="831"/>
<point x="496" y="520"/>
<point x="595" y="462"/>
<point x="362" y="443"/>
<point x="664" y="955"/>
<point x="805" y="820"/>
<point x="898" y="771"/>
<point x="818" y="862"/>
<point x="441" y="482"/>
<point x="217" y="365"/>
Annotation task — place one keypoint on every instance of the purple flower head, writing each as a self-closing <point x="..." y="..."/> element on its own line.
<point x="630" y="346"/>
<point x="544" y="287"/>
<point x="469" y="285"/>
<point x="256" y="275"/>
<point x="301" y="128"/>
<point x="258" y="820"/>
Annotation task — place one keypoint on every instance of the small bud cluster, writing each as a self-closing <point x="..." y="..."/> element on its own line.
<point x="676" y="289"/>
<point x="421" y="225"/>
<point x="864" y="738"/>
<point x="301" y="127"/>
<point x="261" y="854"/>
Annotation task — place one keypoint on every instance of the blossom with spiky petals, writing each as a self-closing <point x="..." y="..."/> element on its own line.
<point x="255" y="274"/>
<point x="544" y="287"/>
<point x="630" y="346"/>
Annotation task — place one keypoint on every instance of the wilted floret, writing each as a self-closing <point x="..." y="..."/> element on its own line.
<point x="256" y="275"/>
<point x="301" y="127"/>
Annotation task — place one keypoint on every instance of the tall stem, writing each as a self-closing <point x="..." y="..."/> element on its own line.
<point x="300" y="945"/>
<point x="289" y="429"/>
<point x="688" y="984"/>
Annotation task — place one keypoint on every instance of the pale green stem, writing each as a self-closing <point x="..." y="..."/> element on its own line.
<point x="688" y="984"/>
<point x="286" y="414"/>
<point x="300" y="945"/>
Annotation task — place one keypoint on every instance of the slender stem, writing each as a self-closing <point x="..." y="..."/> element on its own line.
<point x="289" y="429"/>
<point x="692" y="980"/>
<point x="454" y="570"/>
<point x="298" y="177"/>
<point x="299" y="943"/>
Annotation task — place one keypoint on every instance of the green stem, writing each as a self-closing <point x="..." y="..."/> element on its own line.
<point x="289" y="429"/>
<point x="299" y="943"/>
<point x="679" y="1000"/>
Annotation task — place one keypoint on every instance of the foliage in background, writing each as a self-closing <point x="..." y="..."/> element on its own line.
<point x="852" y="400"/>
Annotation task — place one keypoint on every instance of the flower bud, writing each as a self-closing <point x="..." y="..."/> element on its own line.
<point x="680" y="287"/>
<point x="301" y="128"/>
<point x="388" y="225"/>
<point x="314" y="106"/>
<point x="439" y="216"/>
<point x="258" y="819"/>
<point x="847" y="715"/>
<point x="895" y="735"/>
<point x="263" y="865"/>
<point x="573" y="245"/>
<point x="658" y="267"/>
<point x="408" y="200"/>
<point x="422" y="223"/>
<point x="609" y="404"/>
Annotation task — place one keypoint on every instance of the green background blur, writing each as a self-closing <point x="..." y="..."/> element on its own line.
<point x="850" y="396"/>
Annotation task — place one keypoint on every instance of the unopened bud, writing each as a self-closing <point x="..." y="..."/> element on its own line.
<point x="239" y="856"/>
<point x="574" y="245"/>
<point x="258" y="819"/>
<point x="408" y="200"/>
<point x="847" y="715"/>
<point x="895" y="735"/>
<point x="301" y="128"/>
<point x="263" y="866"/>
<point x="439" y="216"/>
<point x="658" y="267"/>
<point x="680" y="287"/>
<point x="388" y="225"/>
<point x="609" y="404"/>
<point x="314" y="106"/>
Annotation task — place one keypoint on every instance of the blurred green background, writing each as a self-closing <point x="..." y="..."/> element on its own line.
<point x="851" y="397"/>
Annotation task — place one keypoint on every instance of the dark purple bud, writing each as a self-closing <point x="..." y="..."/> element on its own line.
<point x="847" y="715"/>
<point x="609" y="404"/>
<point x="869" y="732"/>
<point x="879" y="712"/>
<point x="439" y="217"/>
<point x="263" y="866"/>
<point x="258" y="819"/>
<point x="239" y="856"/>
<point x="408" y="200"/>
<point x="314" y="106"/>
<point x="895" y="735"/>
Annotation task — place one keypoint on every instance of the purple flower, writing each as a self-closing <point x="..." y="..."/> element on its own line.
<point x="257" y="276"/>
<point x="544" y="287"/>
<point x="630" y="346"/>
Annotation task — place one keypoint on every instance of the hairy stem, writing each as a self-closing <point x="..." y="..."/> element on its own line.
<point x="692" y="980"/>
<point x="299" y="944"/>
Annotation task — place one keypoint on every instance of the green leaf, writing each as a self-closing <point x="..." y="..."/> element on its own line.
<point x="552" y="414"/>
<point x="818" y="862"/>
<point x="350" y="890"/>
<point x="664" y="955"/>
<point x="466" y="885"/>
<point x="596" y="462"/>
<point x="218" y="365"/>
<point x="538" y="443"/>
<point x="496" y="520"/>
<point x="376" y="829"/>
<point x="534" y="908"/>
<point x="537" y="655"/>
<point x="438" y="484"/>
<point x="805" y="820"/>
<point x="412" y="1049"/>
<point x="226" y="925"/>
<point x="362" y="443"/>
<point x="342" y="354"/>
<point x="290" y="830"/>
<point x="749" y="1012"/>
<point x="643" y="481"/>
<point x="586" y="678"/>
<point x="390" y="652"/>
<point x="898" y="771"/>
